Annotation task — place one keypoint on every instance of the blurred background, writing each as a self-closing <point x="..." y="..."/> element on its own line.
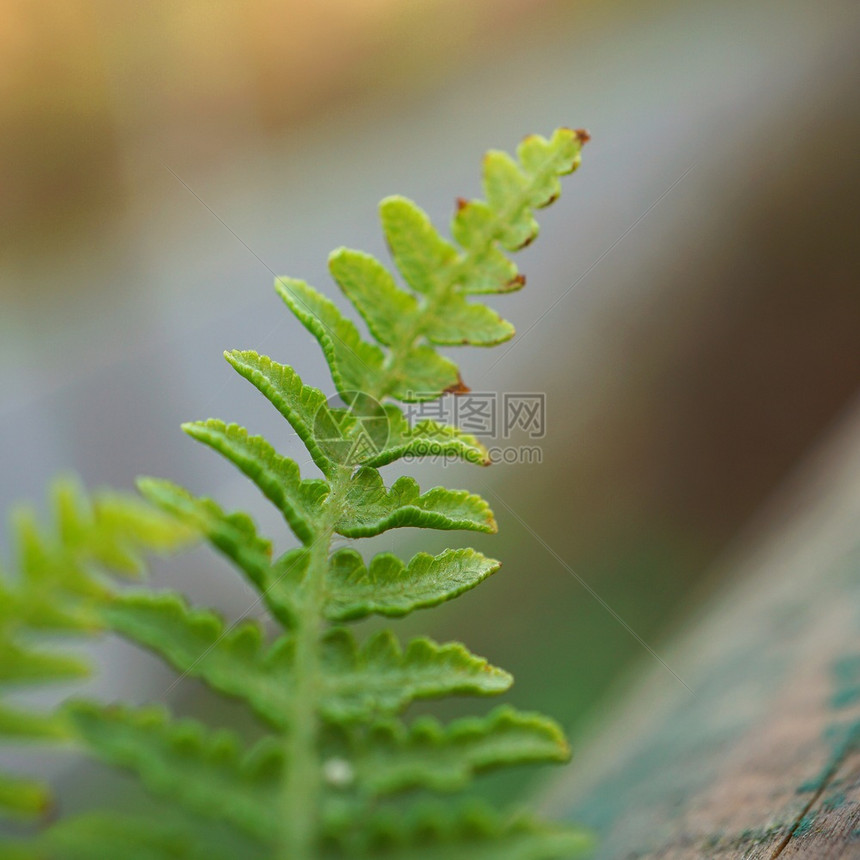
<point x="691" y="311"/>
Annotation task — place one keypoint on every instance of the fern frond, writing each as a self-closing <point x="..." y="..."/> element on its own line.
<point x="324" y="778"/>
<point x="59" y="587"/>
<point x="441" y="275"/>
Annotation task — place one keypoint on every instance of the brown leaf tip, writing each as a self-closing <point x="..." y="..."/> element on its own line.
<point x="526" y="242"/>
<point x="517" y="281"/>
<point x="462" y="203"/>
<point x="581" y="135"/>
<point x="459" y="387"/>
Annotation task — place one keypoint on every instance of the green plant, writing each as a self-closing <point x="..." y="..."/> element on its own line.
<point x="329" y="774"/>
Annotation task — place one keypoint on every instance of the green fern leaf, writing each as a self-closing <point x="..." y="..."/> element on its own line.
<point x="425" y="439"/>
<point x="389" y="757"/>
<point x="355" y="364"/>
<point x="390" y="313"/>
<point x="185" y="762"/>
<point x="396" y="319"/>
<point x="357" y="682"/>
<point x="234" y="534"/>
<point x="23" y="798"/>
<point x="463" y="323"/>
<point x="441" y="275"/>
<point x="475" y="832"/>
<point x="371" y="509"/>
<point x="390" y="587"/>
<point x="514" y="190"/>
<point x="422" y="374"/>
<point x="236" y="537"/>
<point x="15" y="723"/>
<point x="419" y="252"/>
<point x="120" y="528"/>
<point x="277" y="477"/>
<point x="104" y="836"/>
<point x="431" y="265"/>
<point x="302" y="405"/>
<point x="306" y="410"/>
<point x="381" y="677"/>
<point x="199" y="644"/>
<point x="20" y="665"/>
<point x="210" y="773"/>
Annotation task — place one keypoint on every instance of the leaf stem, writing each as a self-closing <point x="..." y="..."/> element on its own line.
<point x="302" y="787"/>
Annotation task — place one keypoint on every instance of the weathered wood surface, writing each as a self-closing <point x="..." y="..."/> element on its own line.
<point x="762" y="758"/>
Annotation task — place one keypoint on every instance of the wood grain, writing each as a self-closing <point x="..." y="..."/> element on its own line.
<point x="760" y="757"/>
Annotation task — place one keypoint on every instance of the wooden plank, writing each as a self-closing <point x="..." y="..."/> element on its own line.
<point x="760" y="758"/>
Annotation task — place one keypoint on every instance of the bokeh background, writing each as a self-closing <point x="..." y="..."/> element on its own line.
<point x="158" y="161"/>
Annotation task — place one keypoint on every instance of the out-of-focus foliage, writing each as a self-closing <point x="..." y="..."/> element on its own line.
<point x="59" y="588"/>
